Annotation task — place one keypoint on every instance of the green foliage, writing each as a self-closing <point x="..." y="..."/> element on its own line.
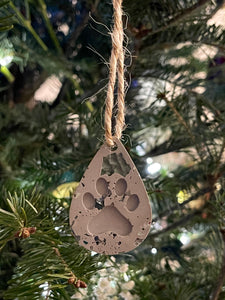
<point x="50" y="256"/>
<point x="175" y="114"/>
<point x="6" y="19"/>
<point x="46" y="267"/>
<point x="19" y="214"/>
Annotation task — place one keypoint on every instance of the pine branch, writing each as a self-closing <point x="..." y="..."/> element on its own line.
<point x="181" y="16"/>
<point x="51" y="257"/>
<point x="73" y="279"/>
<point x="178" y="115"/>
<point x="6" y="72"/>
<point x="43" y="9"/>
<point x="28" y="26"/>
<point x="169" y="212"/>
<point x="198" y="34"/>
<point x="78" y="30"/>
<point x="221" y="279"/>
<point x="182" y="122"/>
<point x="171" y="145"/>
<point x="20" y="213"/>
<point x="181" y="222"/>
<point x="6" y="19"/>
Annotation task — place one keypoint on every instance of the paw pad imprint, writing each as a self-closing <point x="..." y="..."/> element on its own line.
<point x="110" y="211"/>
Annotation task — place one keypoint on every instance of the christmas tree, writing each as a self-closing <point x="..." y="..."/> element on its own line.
<point x="53" y="79"/>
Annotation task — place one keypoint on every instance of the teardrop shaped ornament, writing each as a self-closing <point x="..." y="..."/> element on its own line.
<point x="110" y="212"/>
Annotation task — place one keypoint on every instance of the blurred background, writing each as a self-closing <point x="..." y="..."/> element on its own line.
<point x="53" y="79"/>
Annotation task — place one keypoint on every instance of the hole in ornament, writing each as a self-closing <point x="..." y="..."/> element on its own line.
<point x="121" y="187"/>
<point x="110" y="219"/>
<point x="132" y="202"/>
<point x="89" y="201"/>
<point x="115" y="163"/>
<point x="114" y="147"/>
<point x="138" y="241"/>
<point x="100" y="203"/>
<point x="102" y="186"/>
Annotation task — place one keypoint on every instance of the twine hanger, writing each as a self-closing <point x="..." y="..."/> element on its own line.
<point x="116" y="71"/>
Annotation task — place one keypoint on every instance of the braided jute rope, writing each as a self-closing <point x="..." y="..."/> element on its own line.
<point x="116" y="71"/>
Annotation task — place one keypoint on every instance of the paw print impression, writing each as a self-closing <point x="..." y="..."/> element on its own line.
<point x="110" y="212"/>
<point x="109" y="218"/>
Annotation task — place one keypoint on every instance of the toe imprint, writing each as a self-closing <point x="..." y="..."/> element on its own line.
<point x="89" y="201"/>
<point x="121" y="187"/>
<point x="132" y="202"/>
<point x="102" y="186"/>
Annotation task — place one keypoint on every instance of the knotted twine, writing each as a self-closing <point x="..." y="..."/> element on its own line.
<point x="116" y="71"/>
